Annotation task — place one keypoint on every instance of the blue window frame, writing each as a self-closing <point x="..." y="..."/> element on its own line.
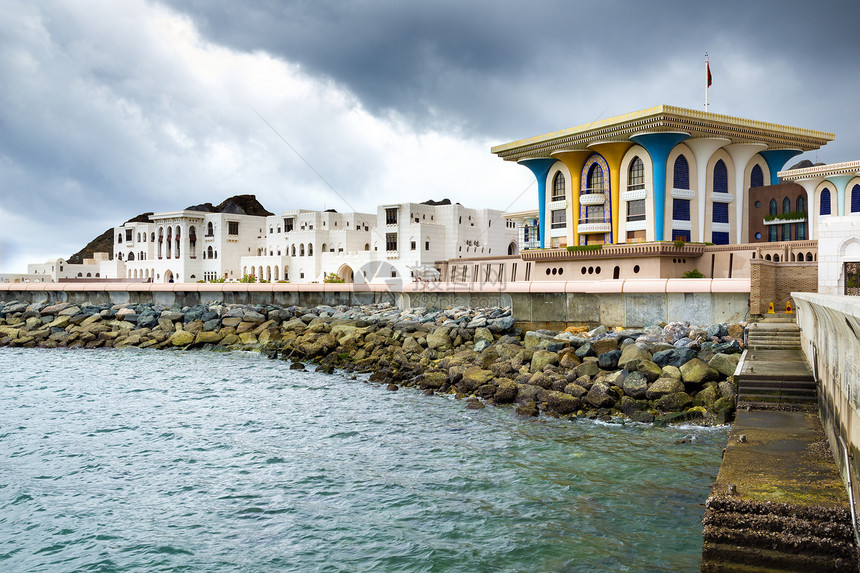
<point x="720" y="238"/>
<point x="771" y="208"/>
<point x="721" y="213"/>
<point x="786" y="232"/>
<point x="800" y="231"/>
<point x="801" y="204"/>
<point x="678" y="235"/>
<point x="773" y="234"/>
<point x="721" y="178"/>
<point x="756" y="177"/>
<point x="855" y="199"/>
<point x="682" y="173"/>
<point x="825" y="202"/>
<point x="786" y="205"/>
<point x="681" y="209"/>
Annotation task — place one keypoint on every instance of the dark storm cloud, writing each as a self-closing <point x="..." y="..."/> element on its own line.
<point x="108" y="110"/>
<point x="487" y="67"/>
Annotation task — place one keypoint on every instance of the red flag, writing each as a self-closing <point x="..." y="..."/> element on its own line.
<point x="708" y="66"/>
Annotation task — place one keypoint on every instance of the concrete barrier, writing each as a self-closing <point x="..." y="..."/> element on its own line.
<point x="632" y="302"/>
<point x="830" y="338"/>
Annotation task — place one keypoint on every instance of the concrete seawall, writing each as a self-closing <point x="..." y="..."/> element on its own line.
<point x="830" y="338"/>
<point x="632" y="302"/>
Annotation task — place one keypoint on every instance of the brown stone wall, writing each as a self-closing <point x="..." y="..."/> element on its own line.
<point x="774" y="282"/>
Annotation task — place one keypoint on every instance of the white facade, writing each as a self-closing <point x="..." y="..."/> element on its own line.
<point x="187" y="246"/>
<point x="402" y="241"/>
<point x="55" y="270"/>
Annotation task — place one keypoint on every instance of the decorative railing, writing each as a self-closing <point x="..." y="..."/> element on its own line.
<point x="614" y="251"/>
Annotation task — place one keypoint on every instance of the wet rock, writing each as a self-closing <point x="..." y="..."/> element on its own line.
<point x="585" y="350"/>
<point x="181" y="338"/>
<point x="633" y="352"/>
<point x="663" y="387"/>
<point x="725" y="364"/>
<point x="439" y="339"/>
<point x="506" y="391"/>
<point x="649" y="370"/>
<point x="542" y="358"/>
<point x="616" y="378"/>
<point x="599" y="396"/>
<point x="609" y="360"/>
<point x="675" y="402"/>
<point x="562" y="403"/>
<point x="432" y="380"/>
<point x="475" y="404"/>
<point x="528" y="409"/>
<point x="586" y="369"/>
<point x="696" y="372"/>
<point x="636" y="385"/>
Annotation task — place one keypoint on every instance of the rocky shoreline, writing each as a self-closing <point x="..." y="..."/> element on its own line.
<point x="661" y="373"/>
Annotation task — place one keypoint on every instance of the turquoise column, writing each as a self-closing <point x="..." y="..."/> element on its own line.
<point x="540" y="168"/>
<point x="658" y="146"/>
<point x="776" y="159"/>
<point x="841" y="182"/>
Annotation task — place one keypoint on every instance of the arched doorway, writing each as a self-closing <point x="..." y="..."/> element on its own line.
<point x="512" y="248"/>
<point x="168" y="276"/>
<point x="345" y="273"/>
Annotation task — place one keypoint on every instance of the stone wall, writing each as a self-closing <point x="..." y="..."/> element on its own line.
<point x="632" y="303"/>
<point x="772" y="282"/>
<point x="830" y="336"/>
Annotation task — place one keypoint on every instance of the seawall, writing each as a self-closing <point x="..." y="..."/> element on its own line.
<point x="538" y="304"/>
<point x="830" y="339"/>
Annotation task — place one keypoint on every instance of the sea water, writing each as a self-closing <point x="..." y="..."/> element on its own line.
<point x="136" y="460"/>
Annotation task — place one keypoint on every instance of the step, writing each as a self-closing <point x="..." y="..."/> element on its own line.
<point x="728" y="557"/>
<point x="781" y="406"/>
<point x="766" y="383"/>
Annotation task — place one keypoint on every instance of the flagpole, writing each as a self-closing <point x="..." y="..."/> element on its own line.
<point x="707" y="84"/>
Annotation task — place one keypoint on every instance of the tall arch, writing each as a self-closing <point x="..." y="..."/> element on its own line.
<point x="595" y="216"/>
<point x="824" y="202"/>
<point x="855" y="199"/>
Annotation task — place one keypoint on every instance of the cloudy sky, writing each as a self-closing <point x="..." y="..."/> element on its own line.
<point x="109" y="109"/>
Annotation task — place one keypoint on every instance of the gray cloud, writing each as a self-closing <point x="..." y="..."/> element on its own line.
<point x="107" y="111"/>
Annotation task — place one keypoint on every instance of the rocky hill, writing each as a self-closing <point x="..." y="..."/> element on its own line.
<point x="238" y="204"/>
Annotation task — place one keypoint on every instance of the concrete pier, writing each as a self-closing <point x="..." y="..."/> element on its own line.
<point x="779" y="502"/>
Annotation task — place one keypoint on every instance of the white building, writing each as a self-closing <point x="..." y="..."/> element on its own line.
<point x="60" y="269"/>
<point x="187" y="246"/>
<point x="400" y="241"/>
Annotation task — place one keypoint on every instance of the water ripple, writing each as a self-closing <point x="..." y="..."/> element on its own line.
<point x="173" y="461"/>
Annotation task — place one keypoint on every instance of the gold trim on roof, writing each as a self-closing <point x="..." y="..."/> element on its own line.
<point x="661" y="119"/>
<point x="843" y="168"/>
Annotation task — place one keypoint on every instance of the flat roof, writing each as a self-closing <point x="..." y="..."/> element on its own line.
<point x="665" y="118"/>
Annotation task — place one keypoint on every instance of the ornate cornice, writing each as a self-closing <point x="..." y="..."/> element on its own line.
<point x="662" y="119"/>
<point x="845" y="168"/>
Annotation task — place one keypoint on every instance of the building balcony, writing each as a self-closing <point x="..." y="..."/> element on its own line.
<point x="782" y="221"/>
<point x="592" y="199"/>
<point x="634" y="195"/>
<point x="722" y="197"/>
<point x="684" y="194"/>
<point x="594" y="226"/>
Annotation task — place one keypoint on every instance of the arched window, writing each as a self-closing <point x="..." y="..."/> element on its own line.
<point x="772" y="207"/>
<point x="558" y="187"/>
<point x="293" y="251"/>
<point x="825" y="202"/>
<point x="756" y="177"/>
<point x="721" y="178"/>
<point x="301" y="249"/>
<point x="119" y="238"/>
<point x="595" y="179"/>
<point x="131" y="256"/>
<point x="636" y="179"/>
<point x="682" y="173"/>
<point x="786" y="205"/>
<point x="210" y="229"/>
<point x="209" y="252"/>
<point x="366" y="246"/>
<point x="310" y="249"/>
<point x="801" y="204"/>
<point x="324" y="248"/>
<point x="152" y="237"/>
<point x="855" y="199"/>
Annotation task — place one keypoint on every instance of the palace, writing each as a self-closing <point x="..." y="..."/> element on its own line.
<point x="661" y="174"/>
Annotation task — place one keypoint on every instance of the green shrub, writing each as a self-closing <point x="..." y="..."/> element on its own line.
<point x="694" y="274"/>
<point x="579" y="248"/>
<point x="332" y="278"/>
<point x="679" y="244"/>
<point x="793" y="216"/>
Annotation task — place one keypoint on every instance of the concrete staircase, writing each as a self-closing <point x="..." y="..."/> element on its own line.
<point x="775" y="374"/>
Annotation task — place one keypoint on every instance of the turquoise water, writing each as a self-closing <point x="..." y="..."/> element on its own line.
<point x="137" y="460"/>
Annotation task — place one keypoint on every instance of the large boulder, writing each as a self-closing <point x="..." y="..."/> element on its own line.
<point x="562" y="403"/>
<point x="439" y="339"/>
<point x="649" y="370"/>
<point x="674" y="356"/>
<point x="676" y="402"/>
<point x="575" y="390"/>
<point x="506" y="391"/>
<point x="663" y="387"/>
<point x="473" y="378"/>
<point x="568" y="359"/>
<point x="609" y="360"/>
<point x="633" y="352"/>
<point x="636" y="385"/>
<point x="181" y="338"/>
<point x="586" y="369"/>
<point x="697" y="372"/>
<point x="599" y="396"/>
<point x="604" y="345"/>
<point x="542" y="358"/>
<point x="482" y="334"/>
<point x="725" y="364"/>
<point x="432" y="380"/>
